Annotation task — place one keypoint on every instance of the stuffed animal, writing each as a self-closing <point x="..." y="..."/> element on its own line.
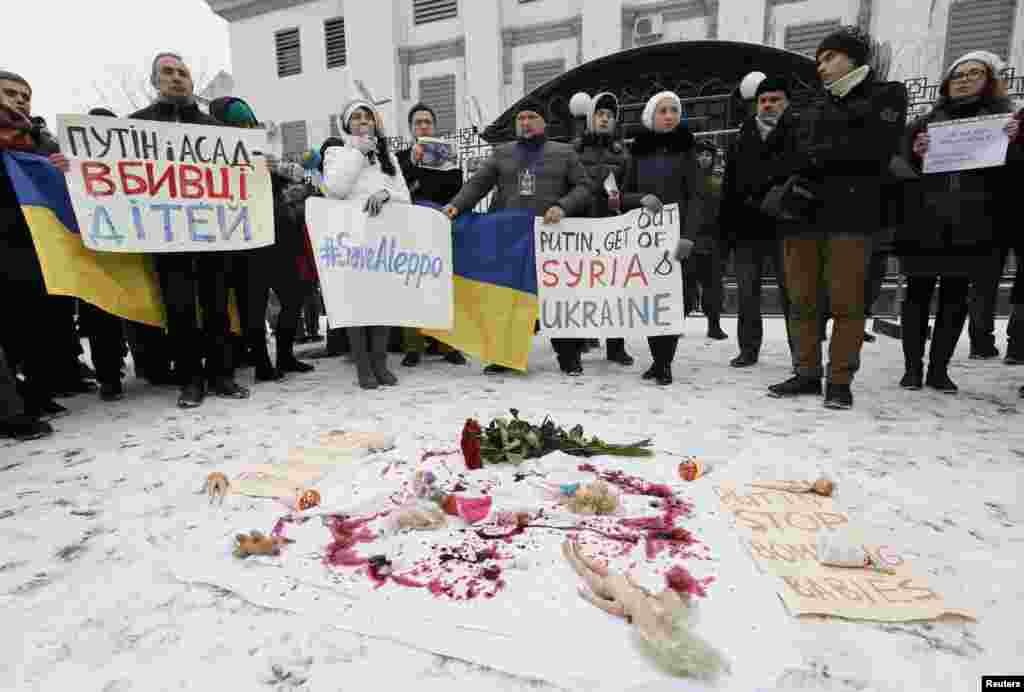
<point x="255" y="543"/>
<point x="595" y="498"/>
<point x="217" y="486"/>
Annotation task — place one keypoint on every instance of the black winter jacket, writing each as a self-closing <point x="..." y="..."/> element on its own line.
<point x="428" y="184"/>
<point x="665" y="165"/>
<point x="601" y="155"/>
<point x="845" y="146"/>
<point x="957" y="212"/>
<point x="164" y="112"/>
<point x="753" y="166"/>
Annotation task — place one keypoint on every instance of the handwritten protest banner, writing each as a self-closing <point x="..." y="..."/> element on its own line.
<point x="966" y="144"/>
<point x="610" y="277"/>
<point x="391" y="269"/>
<point x="780" y="533"/>
<point x="141" y="186"/>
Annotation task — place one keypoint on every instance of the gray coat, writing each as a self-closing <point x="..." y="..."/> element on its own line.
<point x="559" y="179"/>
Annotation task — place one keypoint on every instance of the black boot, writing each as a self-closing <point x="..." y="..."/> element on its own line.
<point x="615" y="352"/>
<point x="938" y="379"/>
<point x="798" y="385"/>
<point x="662" y="374"/>
<point x="286" y="360"/>
<point x="379" y="337"/>
<point x="744" y="360"/>
<point x="23" y="428"/>
<point x="226" y="388"/>
<point x="455" y="357"/>
<point x="192" y="394"/>
<point x="715" y="330"/>
<point x="838" y="396"/>
<point x="111" y="391"/>
<point x="411" y="360"/>
<point x="913" y="376"/>
<point x="358" y="340"/>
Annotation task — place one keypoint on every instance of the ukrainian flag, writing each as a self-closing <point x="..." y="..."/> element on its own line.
<point x="122" y="284"/>
<point x="495" y="279"/>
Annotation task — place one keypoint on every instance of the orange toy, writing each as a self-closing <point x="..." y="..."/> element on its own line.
<point x="308" y="500"/>
<point x="693" y="468"/>
<point x="255" y="543"/>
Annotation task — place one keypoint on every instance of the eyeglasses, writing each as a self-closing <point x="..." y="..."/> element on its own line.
<point x="973" y="75"/>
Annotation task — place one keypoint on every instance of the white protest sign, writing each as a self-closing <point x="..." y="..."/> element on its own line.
<point x="966" y="144"/>
<point x="141" y="186"/>
<point x="611" y="277"/>
<point x="391" y="269"/>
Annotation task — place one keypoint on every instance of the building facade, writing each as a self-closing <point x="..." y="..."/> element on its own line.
<point x="298" y="61"/>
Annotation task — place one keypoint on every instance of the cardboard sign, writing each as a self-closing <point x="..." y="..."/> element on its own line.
<point x="612" y="277"/>
<point x="780" y="533"/>
<point x="141" y="186"/>
<point x="391" y="269"/>
<point x="967" y="143"/>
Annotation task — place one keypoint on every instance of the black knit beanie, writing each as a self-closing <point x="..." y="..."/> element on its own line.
<point x="532" y="104"/>
<point x="421" y="107"/>
<point x="772" y="84"/>
<point x="850" y="40"/>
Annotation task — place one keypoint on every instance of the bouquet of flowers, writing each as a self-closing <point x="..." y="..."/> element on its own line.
<point x="513" y="441"/>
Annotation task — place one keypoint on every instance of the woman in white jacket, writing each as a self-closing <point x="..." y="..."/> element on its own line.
<point x="362" y="169"/>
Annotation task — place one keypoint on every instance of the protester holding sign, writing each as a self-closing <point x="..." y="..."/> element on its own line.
<point x="432" y="177"/>
<point x="954" y="234"/>
<point x="361" y="168"/>
<point x="663" y="170"/>
<point x="604" y="157"/>
<point x="539" y="175"/>
<point x="184" y="276"/>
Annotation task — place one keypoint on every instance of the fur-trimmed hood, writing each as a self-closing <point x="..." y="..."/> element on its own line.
<point x="678" y="140"/>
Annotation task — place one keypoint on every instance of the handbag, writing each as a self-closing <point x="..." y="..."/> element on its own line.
<point x="793" y="200"/>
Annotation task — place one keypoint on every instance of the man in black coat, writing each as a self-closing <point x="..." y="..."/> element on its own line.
<point x="603" y="154"/>
<point x="847" y="138"/>
<point x="428" y="183"/>
<point x="760" y="158"/>
<point x="188" y="276"/>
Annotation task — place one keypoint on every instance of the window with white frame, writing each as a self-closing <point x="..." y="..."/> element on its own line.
<point x="289" y="52"/>
<point x="294" y="139"/>
<point x="979" y="25"/>
<point x="334" y="40"/>
<point x="439" y="94"/>
<point x="537" y="73"/>
<point x="805" y="38"/>
<point x="424" y="11"/>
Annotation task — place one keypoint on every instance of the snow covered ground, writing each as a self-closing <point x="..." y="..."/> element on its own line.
<point x="90" y="516"/>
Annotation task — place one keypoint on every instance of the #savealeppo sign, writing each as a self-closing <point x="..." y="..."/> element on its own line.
<point x="966" y="144"/>
<point x="391" y="269"/>
<point x="141" y="186"/>
<point x="780" y="534"/>
<point x="610" y="277"/>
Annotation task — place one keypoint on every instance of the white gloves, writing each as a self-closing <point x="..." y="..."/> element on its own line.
<point x="651" y="203"/>
<point x="376" y="201"/>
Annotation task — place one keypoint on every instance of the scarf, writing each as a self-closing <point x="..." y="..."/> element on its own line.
<point x="845" y="84"/>
<point x="529" y="149"/>
<point x="766" y="124"/>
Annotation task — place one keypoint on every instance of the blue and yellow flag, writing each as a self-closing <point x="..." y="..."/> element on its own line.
<point x="122" y="284"/>
<point x="495" y="279"/>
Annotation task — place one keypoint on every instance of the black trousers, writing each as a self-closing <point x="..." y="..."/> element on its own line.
<point x="569" y="351"/>
<point x="663" y="349"/>
<point x="704" y="273"/>
<point x="183" y="277"/>
<point x="253" y="274"/>
<point x="106" y="335"/>
<point x="751" y="258"/>
<point x="34" y="336"/>
<point x="985" y="293"/>
<point x="11" y="403"/>
<point x="949" y="320"/>
<point x="873" y="282"/>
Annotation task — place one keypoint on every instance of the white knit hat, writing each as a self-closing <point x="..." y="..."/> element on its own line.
<point x="994" y="62"/>
<point x="351" y="107"/>
<point x="647" y="117"/>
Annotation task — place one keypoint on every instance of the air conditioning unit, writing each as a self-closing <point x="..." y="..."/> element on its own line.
<point x="648" y="26"/>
